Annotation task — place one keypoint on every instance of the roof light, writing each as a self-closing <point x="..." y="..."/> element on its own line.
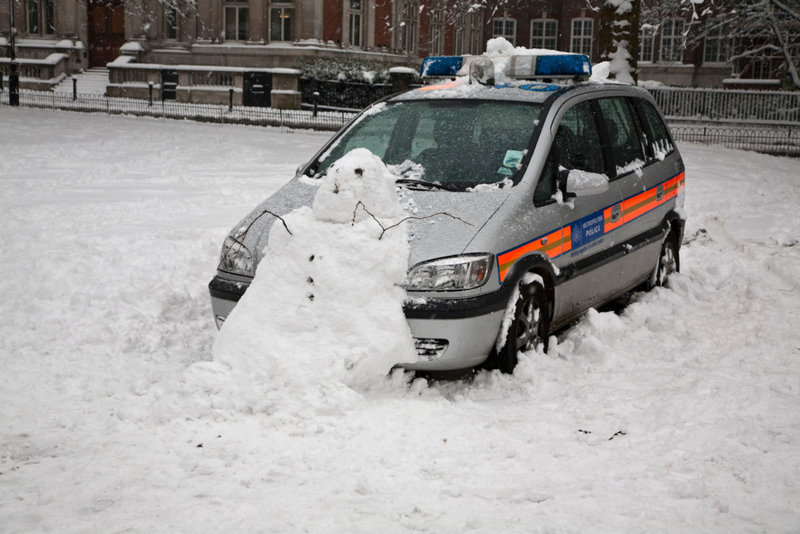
<point x="523" y="67"/>
<point x="443" y="66"/>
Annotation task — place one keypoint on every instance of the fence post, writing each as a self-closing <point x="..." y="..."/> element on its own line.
<point x="150" y="85"/>
<point x="230" y="99"/>
<point x="74" y="88"/>
<point x="1" y="82"/>
<point x="316" y="100"/>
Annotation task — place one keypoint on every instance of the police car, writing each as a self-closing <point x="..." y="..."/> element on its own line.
<point x="562" y="193"/>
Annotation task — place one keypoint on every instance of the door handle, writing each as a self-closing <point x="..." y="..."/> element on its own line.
<point x="616" y="212"/>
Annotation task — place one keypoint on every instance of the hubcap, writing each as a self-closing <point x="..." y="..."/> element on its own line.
<point x="528" y="324"/>
<point x="667" y="266"/>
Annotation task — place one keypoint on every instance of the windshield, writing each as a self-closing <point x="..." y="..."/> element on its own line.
<point x="454" y="143"/>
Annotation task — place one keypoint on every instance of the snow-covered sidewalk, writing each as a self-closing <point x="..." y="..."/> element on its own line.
<point x="680" y="414"/>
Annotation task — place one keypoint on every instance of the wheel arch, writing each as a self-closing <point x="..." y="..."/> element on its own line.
<point x="539" y="264"/>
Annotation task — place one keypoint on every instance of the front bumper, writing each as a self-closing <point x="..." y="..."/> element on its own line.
<point x="450" y="334"/>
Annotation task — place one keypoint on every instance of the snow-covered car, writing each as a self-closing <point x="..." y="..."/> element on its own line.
<point x="555" y="194"/>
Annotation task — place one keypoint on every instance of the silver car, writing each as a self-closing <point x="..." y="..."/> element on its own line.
<point x="556" y="198"/>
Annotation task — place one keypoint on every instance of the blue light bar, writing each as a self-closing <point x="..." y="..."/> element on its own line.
<point x="559" y="66"/>
<point x="441" y="66"/>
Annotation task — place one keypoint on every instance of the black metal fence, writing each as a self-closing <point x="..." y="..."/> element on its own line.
<point x="776" y="139"/>
<point x="170" y="109"/>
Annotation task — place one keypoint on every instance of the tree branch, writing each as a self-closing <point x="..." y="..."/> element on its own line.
<point x="385" y="228"/>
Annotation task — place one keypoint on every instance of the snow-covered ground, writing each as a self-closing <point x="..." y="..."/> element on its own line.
<point x="679" y="414"/>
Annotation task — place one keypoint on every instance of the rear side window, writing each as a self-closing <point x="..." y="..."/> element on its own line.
<point x="661" y="143"/>
<point x="625" y="141"/>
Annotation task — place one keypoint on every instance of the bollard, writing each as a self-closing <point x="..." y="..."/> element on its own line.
<point x="230" y="99"/>
<point x="316" y="99"/>
<point x="1" y="82"/>
<point x="150" y="84"/>
<point x="74" y="88"/>
<point x="13" y="83"/>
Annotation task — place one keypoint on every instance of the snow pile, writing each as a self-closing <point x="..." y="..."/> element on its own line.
<point x="324" y="313"/>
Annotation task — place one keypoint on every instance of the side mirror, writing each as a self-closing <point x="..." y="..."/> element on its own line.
<point x="575" y="183"/>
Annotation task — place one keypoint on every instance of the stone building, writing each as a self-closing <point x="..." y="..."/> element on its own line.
<point x="59" y="37"/>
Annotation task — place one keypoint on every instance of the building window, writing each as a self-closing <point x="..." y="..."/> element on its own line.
<point x="437" y="32"/>
<point x="40" y="17"/>
<point x="646" y="34"/>
<point x="717" y="45"/>
<point x="354" y="16"/>
<point x="761" y="68"/>
<point x="236" y="19"/>
<point x="408" y="27"/>
<point x="170" y="22"/>
<point x="544" y="33"/>
<point x="467" y="34"/>
<point x="505" y="28"/>
<point x="581" y="42"/>
<point x="672" y="40"/>
<point x="282" y="24"/>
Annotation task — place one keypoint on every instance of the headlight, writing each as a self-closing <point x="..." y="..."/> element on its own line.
<point x="236" y="258"/>
<point x="450" y="274"/>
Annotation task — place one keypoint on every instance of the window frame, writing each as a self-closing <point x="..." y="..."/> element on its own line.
<point x="721" y="42"/>
<point x="237" y="7"/>
<point x="647" y="34"/>
<point x="582" y="38"/>
<point x="408" y="36"/>
<point x="44" y="14"/>
<point x="504" y="22"/>
<point x="171" y="30"/>
<point x="287" y="10"/>
<point x="354" y="14"/>
<point x="436" y="37"/>
<point x="545" y="22"/>
<point x="672" y="38"/>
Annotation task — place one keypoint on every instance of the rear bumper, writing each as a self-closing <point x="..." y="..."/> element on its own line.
<point x="461" y="331"/>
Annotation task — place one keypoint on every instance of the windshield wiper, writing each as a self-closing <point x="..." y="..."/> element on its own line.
<point x="423" y="183"/>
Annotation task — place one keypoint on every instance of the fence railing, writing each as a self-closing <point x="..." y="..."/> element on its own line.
<point x="170" y="109"/>
<point x="729" y="105"/>
<point x="769" y="137"/>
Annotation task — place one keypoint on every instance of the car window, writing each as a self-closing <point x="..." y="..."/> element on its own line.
<point x="576" y="146"/>
<point x="661" y="144"/>
<point x="623" y="136"/>
<point x="460" y="143"/>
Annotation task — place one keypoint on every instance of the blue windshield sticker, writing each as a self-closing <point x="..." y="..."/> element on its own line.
<point x="512" y="158"/>
<point x="539" y="87"/>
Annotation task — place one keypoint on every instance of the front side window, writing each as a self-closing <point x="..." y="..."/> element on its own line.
<point x="282" y="24"/>
<point x="581" y="36"/>
<point x="623" y="134"/>
<point x="672" y="40"/>
<point x="717" y="45"/>
<point x="41" y="19"/>
<point x="576" y="146"/>
<point x="455" y="144"/>
<point x="236" y="20"/>
<point x="544" y="33"/>
<point x="504" y="27"/>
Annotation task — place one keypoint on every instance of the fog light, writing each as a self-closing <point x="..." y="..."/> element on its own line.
<point x="430" y="349"/>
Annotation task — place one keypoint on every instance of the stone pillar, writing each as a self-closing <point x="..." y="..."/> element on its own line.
<point x="284" y="89"/>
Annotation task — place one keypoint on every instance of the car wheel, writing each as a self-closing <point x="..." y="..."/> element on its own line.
<point x="528" y="328"/>
<point x="668" y="263"/>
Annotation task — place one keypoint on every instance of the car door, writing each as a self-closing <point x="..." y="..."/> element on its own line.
<point x="645" y="180"/>
<point x="588" y="260"/>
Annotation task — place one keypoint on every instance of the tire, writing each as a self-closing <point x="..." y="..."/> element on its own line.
<point x="668" y="262"/>
<point x="528" y="329"/>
